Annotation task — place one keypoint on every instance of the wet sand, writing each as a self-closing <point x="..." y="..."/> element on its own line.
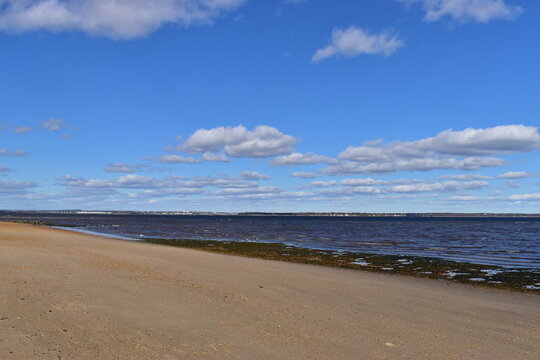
<point x="65" y="295"/>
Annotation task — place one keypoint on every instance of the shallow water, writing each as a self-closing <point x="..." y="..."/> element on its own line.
<point x="509" y="242"/>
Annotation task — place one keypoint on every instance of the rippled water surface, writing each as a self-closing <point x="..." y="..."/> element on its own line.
<point x="510" y="242"/>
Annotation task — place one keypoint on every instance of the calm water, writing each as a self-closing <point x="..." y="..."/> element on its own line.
<point x="510" y="242"/>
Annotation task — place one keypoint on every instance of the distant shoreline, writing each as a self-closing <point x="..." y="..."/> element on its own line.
<point x="307" y="214"/>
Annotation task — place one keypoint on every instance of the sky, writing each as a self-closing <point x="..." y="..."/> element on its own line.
<point x="276" y="105"/>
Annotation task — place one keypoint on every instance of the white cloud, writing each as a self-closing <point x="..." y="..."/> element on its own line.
<point x="4" y="169"/>
<point x="124" y="168"/>
<point x="54" y="124"/>
<point x="362" y="182"/>
<point x="481" y="11"/>
<point x="438" y="187"/>
<point x="355" y="41"/>
<point x="301" y="159"/>
<point x="469" y="142"/>
<point x="168" y="184"/>
<point x="535" y="196"/>
<point x="412" y="187"/>
<point x="371" y="186"/>
<point x="427" y="164"/>
<point x="380" y="153"/>
<point x="119" y="19"/>
<point x="227" y="182"/>
<point x="515" y="175"/>
<point x="466" y="177"/>
<point x="304" y="175"/>
<point x="250" y="191"/>
<point x="315" y="184"/>
<point x="463" y="198"/>
<point x="127" y="182"/>
<point x="22" y="129"/>
<point x="214" y="139"/>
<point x="208" y="156"/>
<point x="263" y="141"/>
<point x="177" y="159"/>
<point x="252" y="175"/>
<point x="439" y="152"/>
<point x="504" y="139"/>
<point x="136" y="181"/>
<point x="166" y="192"/>
<point x="352" y="191"/>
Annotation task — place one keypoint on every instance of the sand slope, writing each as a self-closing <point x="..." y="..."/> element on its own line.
<point x="72" y="296"/>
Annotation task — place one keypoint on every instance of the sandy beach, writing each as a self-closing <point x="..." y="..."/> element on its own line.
<point x="74" y="296"/>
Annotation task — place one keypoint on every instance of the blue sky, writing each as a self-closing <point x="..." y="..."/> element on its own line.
<point x="243" y="105"/>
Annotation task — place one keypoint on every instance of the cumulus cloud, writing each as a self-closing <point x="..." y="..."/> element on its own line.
<point x="351" y="191"/>
<point x="124" y="182"/>
<point x="469" y="142"/>
<point x="473" y="147"/>
<point x="253" y="175"/>
<point x="351" y="168"/>
<point x="166" y="192"/>
<point x="177" y="159"/>
<point x="355" y="41"/>
<point x="463" y="198"/>
<point x="304" y="175"/>
<point x="119" y="19"/>
<point x="466" y="177"/>
<point x="362" y="182"/>
<point x="505" y="139"/>
<point x="535" y="196"/>
<point x="368" y="186"/>
<point x="250" y="191"/>
<point x="481" y="11"/>
<point x="54" y="124"/>
<point x="227" y="182"/>
<point x="176" y="183"/>
<point x="208" y="156"/>
<point x="263" y="141"/>
<point x="515" y="175"/>
<point x="301" y="159"/>
<point x="317" y="184"/>
<point x="124" y="168"/>
<point x="438" y="187"/>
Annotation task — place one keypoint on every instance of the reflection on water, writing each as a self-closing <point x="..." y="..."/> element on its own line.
<point x="511" y="242"/>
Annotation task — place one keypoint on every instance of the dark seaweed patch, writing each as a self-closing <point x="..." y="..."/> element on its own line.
<point x="424" y="267"/>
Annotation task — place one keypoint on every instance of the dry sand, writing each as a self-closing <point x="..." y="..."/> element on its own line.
<point x="72" y="296"/>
